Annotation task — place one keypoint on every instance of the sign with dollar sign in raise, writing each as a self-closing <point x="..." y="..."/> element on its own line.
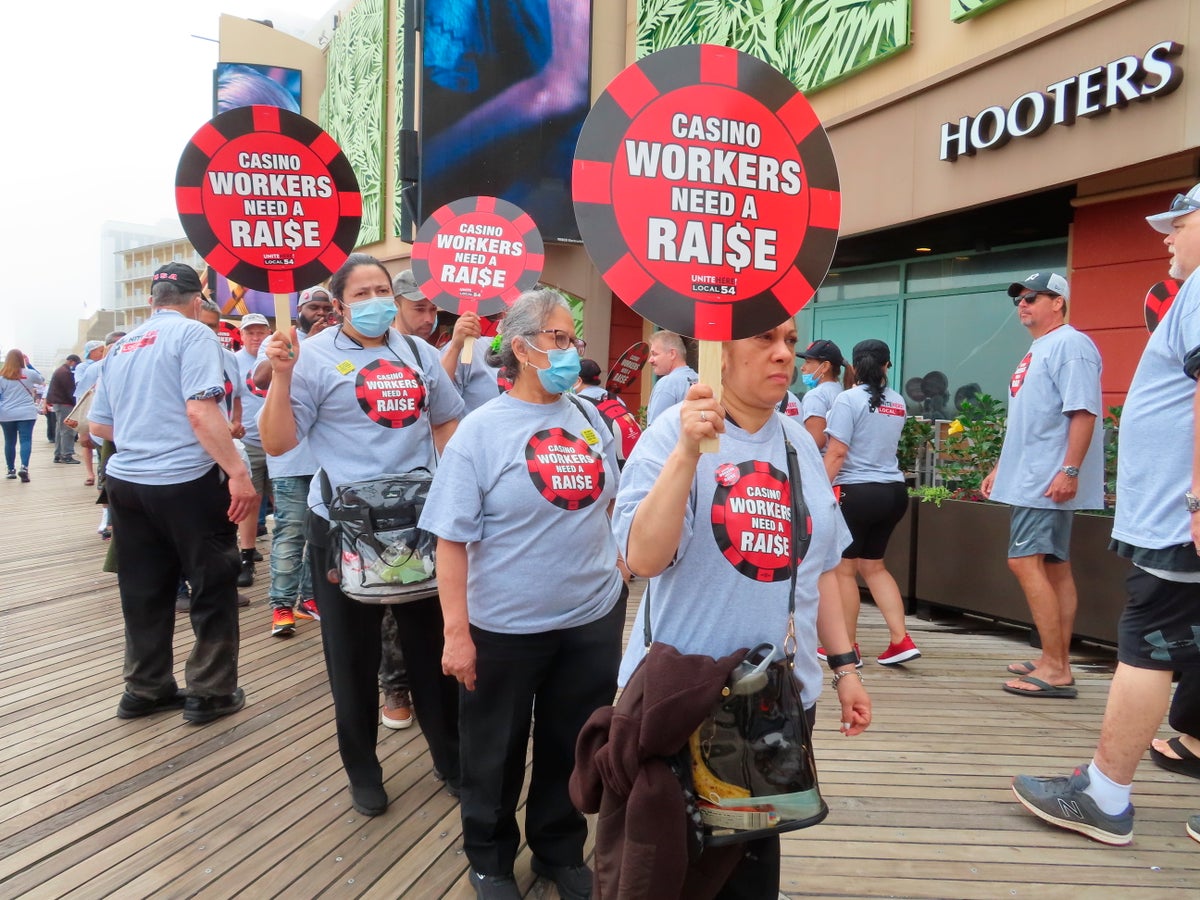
<point x="269" y="200"/>
<point x="706" y="192"/>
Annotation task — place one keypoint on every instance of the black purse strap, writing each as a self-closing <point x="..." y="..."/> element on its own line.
<point x="801" y="538"/>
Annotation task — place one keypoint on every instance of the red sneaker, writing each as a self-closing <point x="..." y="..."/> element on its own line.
<point x="307" y="609"/>
<point x="895" y="654"/>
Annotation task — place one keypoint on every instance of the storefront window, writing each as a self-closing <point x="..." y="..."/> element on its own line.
<point x="969" y="341"/>
<point x="860" y="284"/>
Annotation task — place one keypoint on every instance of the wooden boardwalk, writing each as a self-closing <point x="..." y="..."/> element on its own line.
<point x="255" y="805"/>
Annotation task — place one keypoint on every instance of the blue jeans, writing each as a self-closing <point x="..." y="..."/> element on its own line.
<point x="12" y="430"/>
<point x="291" y="577"/>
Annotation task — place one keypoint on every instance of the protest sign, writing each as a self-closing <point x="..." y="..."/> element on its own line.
<point x="269" y="200"/>
<point x="477" y="254"/>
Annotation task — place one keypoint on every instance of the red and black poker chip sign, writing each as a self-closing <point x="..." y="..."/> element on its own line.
<point x="477" y="255"/>
<point x="391" y="394"/>
<point x="1158" y="300"/>
<point x="627" y="368"/>
<point x="268" y="199"/>
<point x="752" y="519"/>
<point x="564" y="469"/>
<point x="707" y="193"/>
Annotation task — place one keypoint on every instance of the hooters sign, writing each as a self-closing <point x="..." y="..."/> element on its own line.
<point x="706" y="192"/>
<point x="268" y="199"/>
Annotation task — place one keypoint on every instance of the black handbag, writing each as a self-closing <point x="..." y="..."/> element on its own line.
<point x="749" y="770"/>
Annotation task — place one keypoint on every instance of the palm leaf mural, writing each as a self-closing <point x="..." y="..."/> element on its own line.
<point x="398" y="125"/>
<point x="813" y="42"/>
<point x="965" y="9"/>
<point x="351" y="108"/>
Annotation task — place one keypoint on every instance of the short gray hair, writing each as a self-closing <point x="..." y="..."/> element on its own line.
<point x="167" y="293"/>
<point x="525" y="318"/>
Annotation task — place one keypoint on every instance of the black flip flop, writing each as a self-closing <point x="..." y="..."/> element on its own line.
<point x="1044" y="689"/>
<point x="1187" y="764"/>
<point x="1022" y="668"/>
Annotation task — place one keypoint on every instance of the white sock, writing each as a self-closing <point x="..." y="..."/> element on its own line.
<point x="1111" y="797"/>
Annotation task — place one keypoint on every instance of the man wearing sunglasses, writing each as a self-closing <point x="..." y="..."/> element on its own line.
<point x="1050" y="466"/>
<point x="1157" y="527"/>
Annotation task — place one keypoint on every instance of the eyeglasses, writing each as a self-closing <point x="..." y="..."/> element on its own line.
<point x="563" y="339"/>
<point x="1182" y="202"/>
<point x="1029" y="298"/>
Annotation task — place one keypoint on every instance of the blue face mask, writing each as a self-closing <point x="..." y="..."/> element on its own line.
<point x="371" y="318"/>
<point x="562" y="373"/>
<point x="809" y="379"/>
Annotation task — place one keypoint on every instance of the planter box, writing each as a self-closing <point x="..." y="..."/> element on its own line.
<point x="961" y="564"/>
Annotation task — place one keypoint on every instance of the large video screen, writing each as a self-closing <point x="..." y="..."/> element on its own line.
<point x="247" y="84"/>
<point x="504" y="91"/>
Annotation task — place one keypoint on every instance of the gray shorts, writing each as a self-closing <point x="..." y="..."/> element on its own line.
<point x="257" y="464"/>
<point x="1044" y="532"/>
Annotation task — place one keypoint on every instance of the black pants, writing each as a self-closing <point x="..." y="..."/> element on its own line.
<point x="556" y="679"/>
<point x="350" y="634"/>
<point x="1185" y="706"/>
<point x="168" y="530"/>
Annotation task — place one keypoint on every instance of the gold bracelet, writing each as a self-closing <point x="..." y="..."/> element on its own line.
<point x="838" y="676"/>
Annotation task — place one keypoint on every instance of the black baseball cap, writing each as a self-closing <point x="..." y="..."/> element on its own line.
<point x="874" y="348"/>
<point x="824" y="351"/>
<point x="181" y="274"/>
<point x="589" y="371"/>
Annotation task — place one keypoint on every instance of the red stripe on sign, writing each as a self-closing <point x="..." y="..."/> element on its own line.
<point x="420" y="250"/>
<point x="222" y="259"/>
<point x="799" y="118"/>
<point x="442" y="215"/>
<point x="333" y="257"/>
<point x="634" y="280"/>
<point x="266" y="118"/>
<point x="465" y="304"/>
<point x="591" y="181"/>
<point x="281" y="282"/>
<point x="632" y="90"/>
<point x="188" y="200"/>
<point x="208" y="140"/>
<point x="534" y="261"/>
<point x="350" y="203"/>
<point x="718" y="65"/>
<point x="825" y="209"/>
<point x="485" y="204"/>
<point x="325" y="147"/>
<point x="794" y="290"/>
<point x="714" y="322"/>
<point x="510" y="296"/>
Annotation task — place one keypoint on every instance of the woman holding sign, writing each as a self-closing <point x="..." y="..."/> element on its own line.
<point x="529" y="474"/>
<point x="713" y="532"/>
<point x="370" y="402"/>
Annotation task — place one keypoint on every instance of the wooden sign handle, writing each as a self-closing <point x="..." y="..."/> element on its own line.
<point x="468" y="351"/>
<point x="283" y="313"/>
<point x="710" y="374"/>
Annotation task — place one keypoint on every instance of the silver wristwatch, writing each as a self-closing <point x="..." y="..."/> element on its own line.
<point x="1193" y="502"/>
<point x="1070" y="471"/>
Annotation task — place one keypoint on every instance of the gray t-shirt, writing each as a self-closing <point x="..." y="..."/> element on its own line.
<point x="1154" y="461"/>
<point x="871" y="435"/>
<point x="18" y="396"/>
<point x="86" y="375"/>
<point x="367" y="411"/>
<point x="146" y="380"/>
<point x="299" y="460"/>
<point x="476" y="381"/>
<point x="252" y="397"/>
<point x="818" y="401"/>
<point x="669" y="390"/>
<point x="1059" y="374"/>
<point x="526" y="486"/>
<point x="728" y="586"/>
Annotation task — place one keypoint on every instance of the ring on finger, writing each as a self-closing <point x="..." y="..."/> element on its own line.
<point x="703" y="415"/>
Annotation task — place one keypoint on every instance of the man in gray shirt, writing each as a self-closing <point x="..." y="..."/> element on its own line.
<point x="669" y="363"/>
<point x="1051" y="465"/>
<point x="1157" y="527"/>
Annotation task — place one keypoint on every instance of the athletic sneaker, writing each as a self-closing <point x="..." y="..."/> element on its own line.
<point x="307" y="609"/>
<point x="1193" y="827"/>
<point x="23" y="474"/>
<point x="397" y="710"/>
<point x="282" y="623"/>
<point x="1062" y="802"/>
<point x="898" y="653"/>
<point x="824" y="657"/>
<point x="12" y="473"/>
<point x="493" y="887"/>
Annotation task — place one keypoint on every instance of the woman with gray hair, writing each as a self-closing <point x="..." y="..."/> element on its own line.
<point x="526" y="477"/>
